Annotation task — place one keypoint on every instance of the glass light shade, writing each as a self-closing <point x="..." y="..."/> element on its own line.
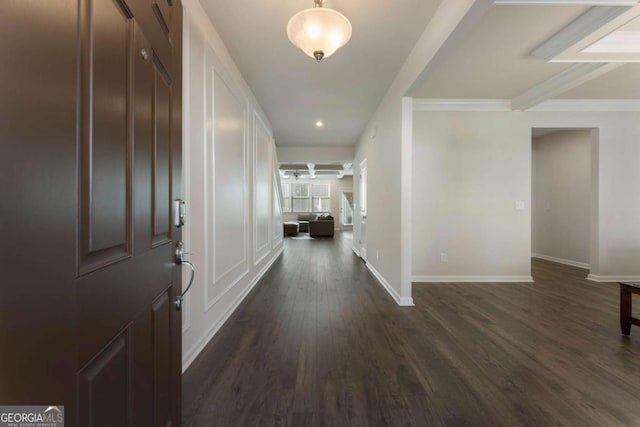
<point x="319" y="29"/>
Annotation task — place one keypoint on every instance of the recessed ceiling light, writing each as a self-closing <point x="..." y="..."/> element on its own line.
<point x="319" y="124"/>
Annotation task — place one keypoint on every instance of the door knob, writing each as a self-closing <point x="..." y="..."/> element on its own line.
<point x="179" y="259"/>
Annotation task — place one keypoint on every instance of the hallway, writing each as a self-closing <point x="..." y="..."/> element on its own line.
<point x="319" y="342"/>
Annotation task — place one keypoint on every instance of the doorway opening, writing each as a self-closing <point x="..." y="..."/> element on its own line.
<point x="346" y="208"/>
<point x="564" y="195"/>
<point x="363" y="210"/>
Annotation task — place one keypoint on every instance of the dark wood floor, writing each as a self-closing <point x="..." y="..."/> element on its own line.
<point x="319" y="343"/>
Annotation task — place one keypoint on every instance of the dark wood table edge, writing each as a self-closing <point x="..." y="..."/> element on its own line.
<point x="627" y="289"/>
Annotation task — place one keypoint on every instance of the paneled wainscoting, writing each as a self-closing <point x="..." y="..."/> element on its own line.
<point x="319" y="342"/>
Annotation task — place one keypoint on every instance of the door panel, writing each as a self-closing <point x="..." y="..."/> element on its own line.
<point x="108" y="139"/>
<point x="161" y="310"/>
<point x="143" y="132"/>
<point x="105" y="389"/>
<point x="38" y="132"/>
<point x="161" y="153"/>
<point x="105" y="207"/>
<point x="92" y="156"/>
<point x="164" y="47"/>
<point x="125" y="295"/>
<point x="163" y="12"/>
<point x="111" y="299"/>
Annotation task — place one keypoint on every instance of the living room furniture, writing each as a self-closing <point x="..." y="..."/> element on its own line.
<point x="626" y="314"/>
<point x="321" y="228"/>
<point x="290" y="228"/>
<point x="303" y="221"/>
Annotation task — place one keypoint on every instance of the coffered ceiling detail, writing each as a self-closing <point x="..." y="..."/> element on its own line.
<point x="526" y="52"/>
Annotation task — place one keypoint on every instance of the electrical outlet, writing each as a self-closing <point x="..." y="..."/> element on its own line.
<point x="519" y="205"/>
<point x="443" y="257"/>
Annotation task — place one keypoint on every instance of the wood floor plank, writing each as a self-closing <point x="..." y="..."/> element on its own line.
<point x="318" y="342"/>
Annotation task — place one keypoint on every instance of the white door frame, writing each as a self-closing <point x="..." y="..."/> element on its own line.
<point x="362" y="209"/>
<point x="342" y="203"/>
<point x="594" y="193"/>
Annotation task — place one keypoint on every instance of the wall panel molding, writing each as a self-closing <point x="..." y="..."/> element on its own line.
<point x="262" y="188"/>
<point x="227" y="211"/>
<point x="214" y="212"/>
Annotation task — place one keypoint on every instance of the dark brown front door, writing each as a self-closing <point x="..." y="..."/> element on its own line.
<point x="90" y="154"/>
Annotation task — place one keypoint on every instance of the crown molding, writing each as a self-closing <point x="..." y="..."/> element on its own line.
<point x="570" y="2"/>
<point x="504" y="105"/>
<point x="593" y="105"/>
<point x="461" y="104"/>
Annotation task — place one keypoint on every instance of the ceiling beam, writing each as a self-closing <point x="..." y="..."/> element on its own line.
<point x="579" y="29"/>
<point x="572" y="77"/>
<point x="449" y="24"/>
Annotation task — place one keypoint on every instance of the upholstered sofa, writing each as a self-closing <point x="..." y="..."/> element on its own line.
<point x="321" y="228"/>
<point x="317" y="225"/>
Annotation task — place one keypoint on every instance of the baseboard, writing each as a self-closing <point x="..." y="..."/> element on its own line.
<point x="401" y="301"/>
<point x="612" y="279"/>
<point x="195" y="350"/>
<point x="355" y="251"/>
<point x="562" y="261"/>
<point x="472" y="279"/>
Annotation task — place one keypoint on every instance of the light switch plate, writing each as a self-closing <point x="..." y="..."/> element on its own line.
<point x="519" y="205"/>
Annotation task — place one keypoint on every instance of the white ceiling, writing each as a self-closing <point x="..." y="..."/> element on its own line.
<point x="493" y="60"/>
<point x="621" y="83"/>
<point x="343" y="90"/>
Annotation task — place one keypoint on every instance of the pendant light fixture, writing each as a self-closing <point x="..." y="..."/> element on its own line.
<point x="319" y="32"/>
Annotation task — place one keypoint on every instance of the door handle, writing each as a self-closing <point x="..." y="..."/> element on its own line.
<point x="179" y="259"/>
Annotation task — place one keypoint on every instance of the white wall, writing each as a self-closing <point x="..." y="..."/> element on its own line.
<point x="497" y="148"/>
<point x="561" y="196"/>
<point x="304" y="154"/>
<point x="471" y="168"/>
<point x="335" y="191"/>
<point x="231" y="187"/>
<point x="380" y="145"/>
<point x="386" y="144"/>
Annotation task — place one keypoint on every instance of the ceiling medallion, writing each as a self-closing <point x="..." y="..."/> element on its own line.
<point x="319" y="32"/>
